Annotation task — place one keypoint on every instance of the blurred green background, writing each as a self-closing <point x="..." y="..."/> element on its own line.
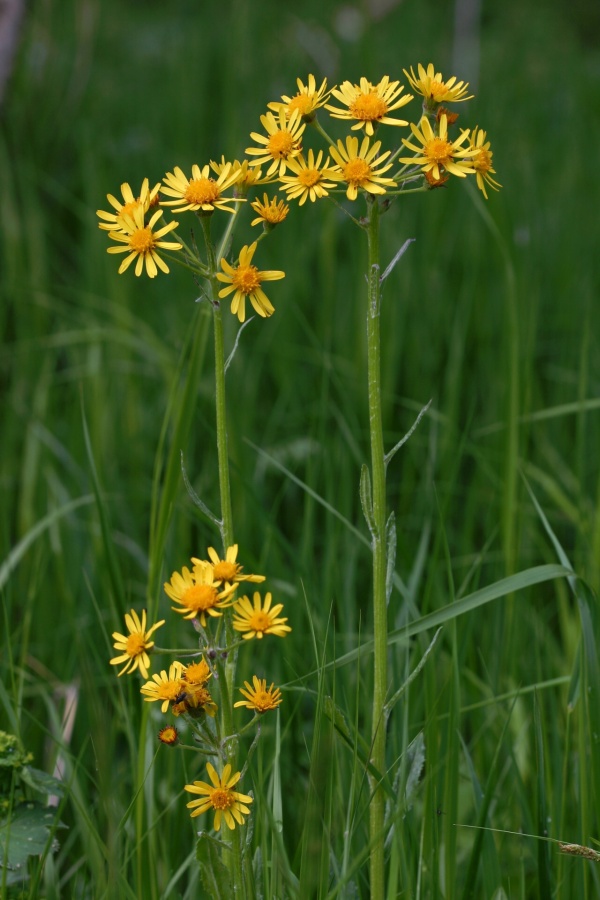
<point x="492" y="314"/>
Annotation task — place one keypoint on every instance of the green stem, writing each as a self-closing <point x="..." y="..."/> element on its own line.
<point x="233" y="859"/>
<point x="377" y="808"/>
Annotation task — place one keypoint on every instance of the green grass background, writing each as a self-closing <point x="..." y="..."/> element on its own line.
<point x="492" y="315"/>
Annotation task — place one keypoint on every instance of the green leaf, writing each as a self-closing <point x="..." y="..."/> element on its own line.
<point x="366" y="498"/>
<point x="41" y="781"/>
<point x="215" y="875"/>
<point x="24" y="834"/>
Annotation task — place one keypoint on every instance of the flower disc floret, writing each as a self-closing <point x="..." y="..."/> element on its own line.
<point x="197" y="594"/>
<point x="282" y="144"/>
<point x="164" y="687"/>
<point x="434" y="89"/>
<point x="116" y="221"/>
<point x="136" y="645"/>
<point x="142" y="243"/>
<point x="437" y="153"/>
<point x="258" y="696"/>
<point x="229" y="805"/>
<point x="200" y="193"/>
<point x="362" y="169"/>
<point x="369" y="104"/>
<point x="256" y="619"/>
<point x="311" y="179"/>
<point x="245" y="280"/>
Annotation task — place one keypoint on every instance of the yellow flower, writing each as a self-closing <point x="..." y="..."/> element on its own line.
<point x="165" y="687"/>
<point x="370" y="104"/>
<point x="437" y="153"/>
<point x="245" y="176"/>
<point x="270" y="211"/>
<point x="201" y="192"/>
<point x="197" y="594"/>
<point x="245" y="279"/>
<point x="282" y="144"/>
<point x="307" y="101"/>
<point x="434" y="89"/>
<point x="310" y="180"/>
<point x="196" y="673"/>
<point x="142" y="242"/>
<point x="360" y="168"/>
<point x="136" y="644"/>
<point x="115" y="221"/>
<point x="259" y="619"/>
<point x="168" y="735"/>
<point x="227" y="571"/>
<point x="259" y="697"/>
<point x="482" y="161"/>
<point x="227" y="804"/>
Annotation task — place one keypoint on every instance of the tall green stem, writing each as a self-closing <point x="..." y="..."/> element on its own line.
<point x="377" y="809"/>
<point x="227" y="678"/>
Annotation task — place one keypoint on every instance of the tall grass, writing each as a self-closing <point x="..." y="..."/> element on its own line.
<point x="489" y="315"/>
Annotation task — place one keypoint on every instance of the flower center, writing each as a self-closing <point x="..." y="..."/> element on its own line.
<point x="129" y="208"/>
<point x="225" y="571"/>
<point x="197" y="673"/>
<point x="262" y="701"/>
<point x="200" y="596"/>
<point x="309" y="177"/>
<point x="199" y="697"/>
<point x="280" y="145"/>
<point x="169" y="690"/>
<point x="437" y="89"/>
<point x="202" y="190"/>
<point x="301" y="102"/>
<point x="222" y="799"/>
<point x="368" y="106"/>
<point x="142" y="240"/>
<point x="483" y="161"/>
<point x="259" y="621"/>
<point x="438" y="151"/>
<point x="357" y="171"/>
<point x="246" y="279"/>
<point x="135" y="645"/>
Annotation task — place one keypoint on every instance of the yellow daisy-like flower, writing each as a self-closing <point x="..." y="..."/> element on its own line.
<point x="482" y="161"/>
<point x="259" y="697"/>
<point x="271" y="212"/>
<point x="434" y="89"/>
<point x="259" y="619"/>
<point x="164" y="687"/>
<point x="245" y="176"/>
<point x="201" y="193"/>
<point x="284" y="141"/>
<point x="168" y="735"/>
<point x="245" y="279"/>
<point x="136" y="644"/>
<point x="227" y="804"/>
<point x="307" y="101"/>
<point x="437" y="153"/>
<point x="310" y="179"/>
<point x="362" y="168"/>
<point x="197" y="594"/>
<point x="370" y="104"/>
<point x="142" y="243"/>
<point x="227" y="571"/>
<point x="113" y="221"/>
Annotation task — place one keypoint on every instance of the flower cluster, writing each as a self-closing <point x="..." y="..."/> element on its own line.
<point x="205" y="593"/>
<point x="278" y="155"/>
